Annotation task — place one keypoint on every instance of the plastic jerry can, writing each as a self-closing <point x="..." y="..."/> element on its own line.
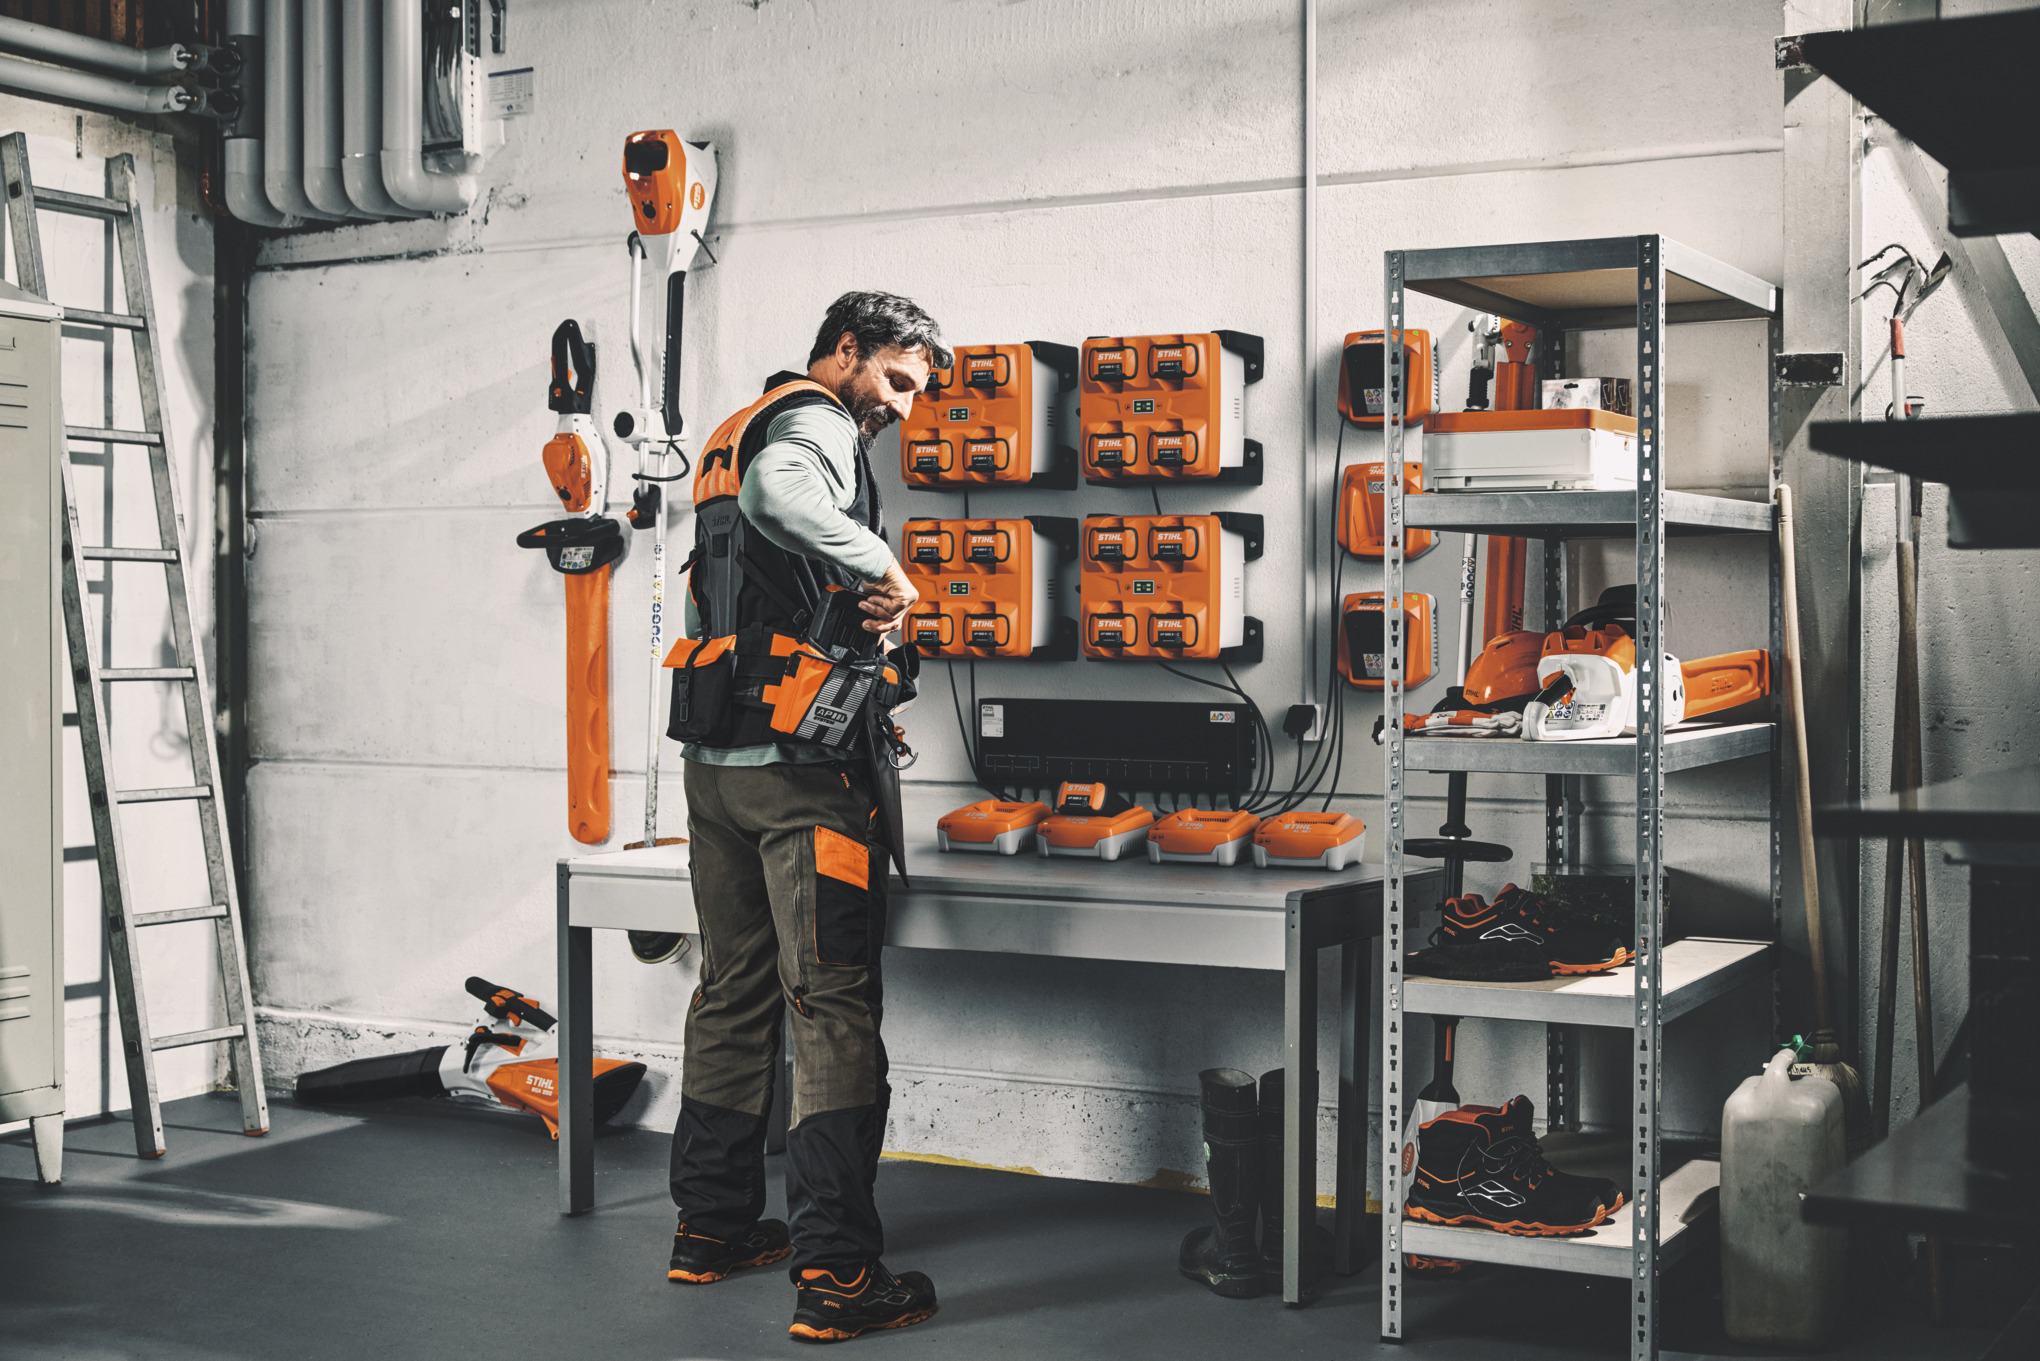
<point x="1781" y="1278"/>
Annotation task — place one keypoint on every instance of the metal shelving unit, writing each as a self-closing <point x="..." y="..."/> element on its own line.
<point x="1645" y="282"/>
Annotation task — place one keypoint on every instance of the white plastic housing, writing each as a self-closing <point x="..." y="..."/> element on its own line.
<point x="1005" y="843"/>
<point x="1225" y="853"/>
<point x="1530" y="460"/>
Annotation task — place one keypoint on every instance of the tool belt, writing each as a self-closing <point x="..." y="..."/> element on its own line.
<point x="756" y="686"/>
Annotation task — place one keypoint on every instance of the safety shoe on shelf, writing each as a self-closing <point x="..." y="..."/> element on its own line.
<point x="1478" y="942"/>
<point x="1576" y="941"/>
<point x="701" y="1260"/>
<point x="1482" y="1166"/>
<point x="835" y="1306"/>
<point x="655" y="947"/>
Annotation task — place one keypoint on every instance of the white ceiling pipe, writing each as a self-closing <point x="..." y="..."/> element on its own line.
<point x="403" y="159"/>
<point x="64" y="86"/>
<point x="246" y="198"/>
<point x="319" y="76"/>
<point x="283" y="151"/>
<point x="361" y="109"/>
<point x="94" y="54"/>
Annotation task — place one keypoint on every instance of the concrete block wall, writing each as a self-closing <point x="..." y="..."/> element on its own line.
<point x="1049" y="170"/>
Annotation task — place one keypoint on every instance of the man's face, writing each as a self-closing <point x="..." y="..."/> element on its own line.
<point x="882" y="387"/>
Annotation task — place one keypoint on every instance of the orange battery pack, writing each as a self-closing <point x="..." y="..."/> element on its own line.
<point x="1201" y="836"/>
<point x="1168" y="586"/>
<point x="1164" y="408"/>
<point x="1363" y="516"/>
<point x="1000" y="416"/>
<point x="1327" y="841"/>
<point x="1363" y="642"/>
<point x="1363" y="377"/>
<point x="1091" y="823"/>
<point x="990" y="825"/>
<point x="1726" y="681"/>
<point x="990" y="588"/>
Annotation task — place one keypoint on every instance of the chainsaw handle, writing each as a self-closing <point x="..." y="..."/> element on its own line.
<point x="573" y="371"/>
<point x="502" y="1003"/>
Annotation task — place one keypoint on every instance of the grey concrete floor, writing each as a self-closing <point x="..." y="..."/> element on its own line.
<point x="421" y="1230"/>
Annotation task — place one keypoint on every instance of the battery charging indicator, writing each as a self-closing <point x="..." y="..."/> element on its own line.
<point x="959" y="413"/>
<point x="1144" y="406"/>
<point x="1143" y="588"/>
<point x="959" y="588"/>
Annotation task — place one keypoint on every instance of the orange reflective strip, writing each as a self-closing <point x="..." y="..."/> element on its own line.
<point x="842" y="857"/>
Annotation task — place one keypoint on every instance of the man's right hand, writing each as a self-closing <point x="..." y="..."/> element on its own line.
<point x="891" y="596"/>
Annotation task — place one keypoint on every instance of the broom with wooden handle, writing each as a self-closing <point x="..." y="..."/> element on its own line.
<point x="1827" y="1051"/>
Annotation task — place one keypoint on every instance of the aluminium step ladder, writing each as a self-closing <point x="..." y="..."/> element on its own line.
<point x="139" y="1043"/>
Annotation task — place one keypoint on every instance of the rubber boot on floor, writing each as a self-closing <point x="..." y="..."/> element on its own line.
<point x="1317" y="1244"/>
<point x="1223" y="1256"/>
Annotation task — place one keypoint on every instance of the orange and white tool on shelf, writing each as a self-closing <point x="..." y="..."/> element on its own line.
<point x="1169" y="587"/>
<point x="1168" y="407"/>
<point x="995" y="826"/>
<point x="1329" y="841"/>
<point x="990" y="588"/>
<point x="1000" y="416"/>
<point x="1091" y="822"/>
<point x="1201" y="836"/>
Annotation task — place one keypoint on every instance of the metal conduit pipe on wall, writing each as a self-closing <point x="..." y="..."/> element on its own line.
<point x="94" y="54"/>
<point x="283" y="170"/>
<point x="361" y="109"/>
<point x="319" y="81"/>
<point x="246" y="197"/>
<point x="403" y="160"/>
<point x="82" y="87"/>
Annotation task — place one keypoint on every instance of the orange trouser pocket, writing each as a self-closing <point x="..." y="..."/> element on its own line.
<point x="842" y="899"/>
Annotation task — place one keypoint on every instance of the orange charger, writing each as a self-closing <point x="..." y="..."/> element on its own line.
<point x="1363" y="514"/>
<point x="1363" y="376"/>
<point x="1299" y="841"/>
<point x="1168" y="407"/>
<point x="1092" y="823"/>
<point x="1201" y="836"/>
<point x="1000" y="416"/>
<point x="990" y="825"/>
<point x="989" y="587"/>
<point x="1363" y="643"/>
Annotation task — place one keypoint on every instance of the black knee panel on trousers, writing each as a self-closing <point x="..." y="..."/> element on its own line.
<point x="718" y="1168"/>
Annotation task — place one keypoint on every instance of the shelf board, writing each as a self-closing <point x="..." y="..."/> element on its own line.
<point x="1994" y="451"/>
<point x="1685" y="1197"/>
<point x="1960" y="88"/>
<point x="1918" y="1180"/>
<point x="1998" y="806"/>
<point x="1687" y="747"/>
<point x="1697" y="970"/>
<point x="1586" y="284"/>
<point x="1580" y="514"/>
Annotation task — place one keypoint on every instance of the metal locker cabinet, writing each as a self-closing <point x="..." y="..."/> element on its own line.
<point x="31" y="726"/>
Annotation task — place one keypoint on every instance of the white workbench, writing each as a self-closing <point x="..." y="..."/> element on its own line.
<point x="1239" y="918"/>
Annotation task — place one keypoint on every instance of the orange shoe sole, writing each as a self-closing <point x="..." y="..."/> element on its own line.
<point x="803" y="1333"/>
<point x="1622" y="956"/>
<point x="711" y="1277"/>
<point x="1516" y="1226"/>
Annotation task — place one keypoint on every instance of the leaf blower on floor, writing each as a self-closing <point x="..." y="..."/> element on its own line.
<point x="511" y="1059"/>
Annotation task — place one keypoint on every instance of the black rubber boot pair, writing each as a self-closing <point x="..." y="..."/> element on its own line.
<point x="1243" y="1164"/>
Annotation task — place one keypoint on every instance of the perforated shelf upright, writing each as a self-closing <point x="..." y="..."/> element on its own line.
<point x="1648" y="283"/>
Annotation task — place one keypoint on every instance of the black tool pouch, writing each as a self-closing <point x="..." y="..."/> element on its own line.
<point x="704" y="692"/>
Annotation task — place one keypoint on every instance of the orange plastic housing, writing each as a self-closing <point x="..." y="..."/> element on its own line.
<point x="1167" y="586"/>
<point x="1318" y="840"/>
<point x="588" y="706"/>
<point x="1723" y="682"/>
<point x="1166" y="407"/>
<point x="1363" y="527"/>
<point x="998" y="416"/>
<point x="1363" y="376"/>
<point x="1362" y="644"/>
<point x="988" y="587"/>
<point x="1201" y="836"/>
<point x="655" y="189"/>
<point x="994" y="825"/>
<point x="569" y="467"/>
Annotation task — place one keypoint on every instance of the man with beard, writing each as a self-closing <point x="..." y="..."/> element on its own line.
<point x="786" y="841"/>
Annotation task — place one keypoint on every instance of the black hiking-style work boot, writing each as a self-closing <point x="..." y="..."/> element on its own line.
<point x="701" y="1260"/>
<point x="1223" y="1256"/>
<point x="1317" y="1244"/>
<point x="1481" y="1166"/>
<point x="837" y="1305"/>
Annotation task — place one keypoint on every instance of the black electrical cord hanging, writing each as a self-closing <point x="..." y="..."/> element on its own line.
<point x="1331" y="745"/>
<point x="1258" y="792"/>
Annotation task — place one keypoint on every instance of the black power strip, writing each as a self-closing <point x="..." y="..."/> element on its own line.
<point x="1133" y="745"/>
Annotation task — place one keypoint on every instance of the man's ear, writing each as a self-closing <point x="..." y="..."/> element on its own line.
<point x="846" y="350"/>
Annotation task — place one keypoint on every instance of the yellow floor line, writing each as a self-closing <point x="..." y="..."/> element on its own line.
<point x="1167" y="1179"/>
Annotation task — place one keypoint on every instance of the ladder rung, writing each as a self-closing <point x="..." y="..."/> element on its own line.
<point x="190" y="791"/>
<point x="115" y="320"/>
<point x="97" y="435"/>
<point x="225" y="1032"/>
<point x="83" y="204"/>
<point x="147" y="673"/>
<point x="127" y="554"/>
<point x="181" y="914"/>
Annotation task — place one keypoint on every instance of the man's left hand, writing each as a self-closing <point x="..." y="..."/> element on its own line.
<point x="892" y="595"/>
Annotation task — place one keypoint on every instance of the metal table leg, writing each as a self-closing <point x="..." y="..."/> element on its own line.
<point x="1299" y="1099"/>
<point x="577" y="1061"/>
<point x="1356" y="1033"/>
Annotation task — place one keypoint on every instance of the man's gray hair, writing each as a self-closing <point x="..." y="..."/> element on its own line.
<point x="876" y="320"/>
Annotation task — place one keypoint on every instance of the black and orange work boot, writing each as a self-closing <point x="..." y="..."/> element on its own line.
<point x="1482" y="1166"/>
<point x="1478" y="941"/>
<point x="835" y="1306"/>
<point x="1576" y="941"/>
<point x="701" y="1260"/>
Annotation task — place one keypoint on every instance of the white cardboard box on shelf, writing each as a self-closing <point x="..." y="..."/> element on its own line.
<point x="1571" y="449"/>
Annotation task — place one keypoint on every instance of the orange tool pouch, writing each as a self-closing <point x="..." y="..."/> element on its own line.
<point x="756" y="686"/>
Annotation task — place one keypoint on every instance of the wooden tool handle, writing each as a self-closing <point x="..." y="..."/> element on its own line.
<point x="1809" y="873"/>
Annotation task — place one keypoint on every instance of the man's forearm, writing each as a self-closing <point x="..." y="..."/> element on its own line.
<point x="789" y="501"/>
